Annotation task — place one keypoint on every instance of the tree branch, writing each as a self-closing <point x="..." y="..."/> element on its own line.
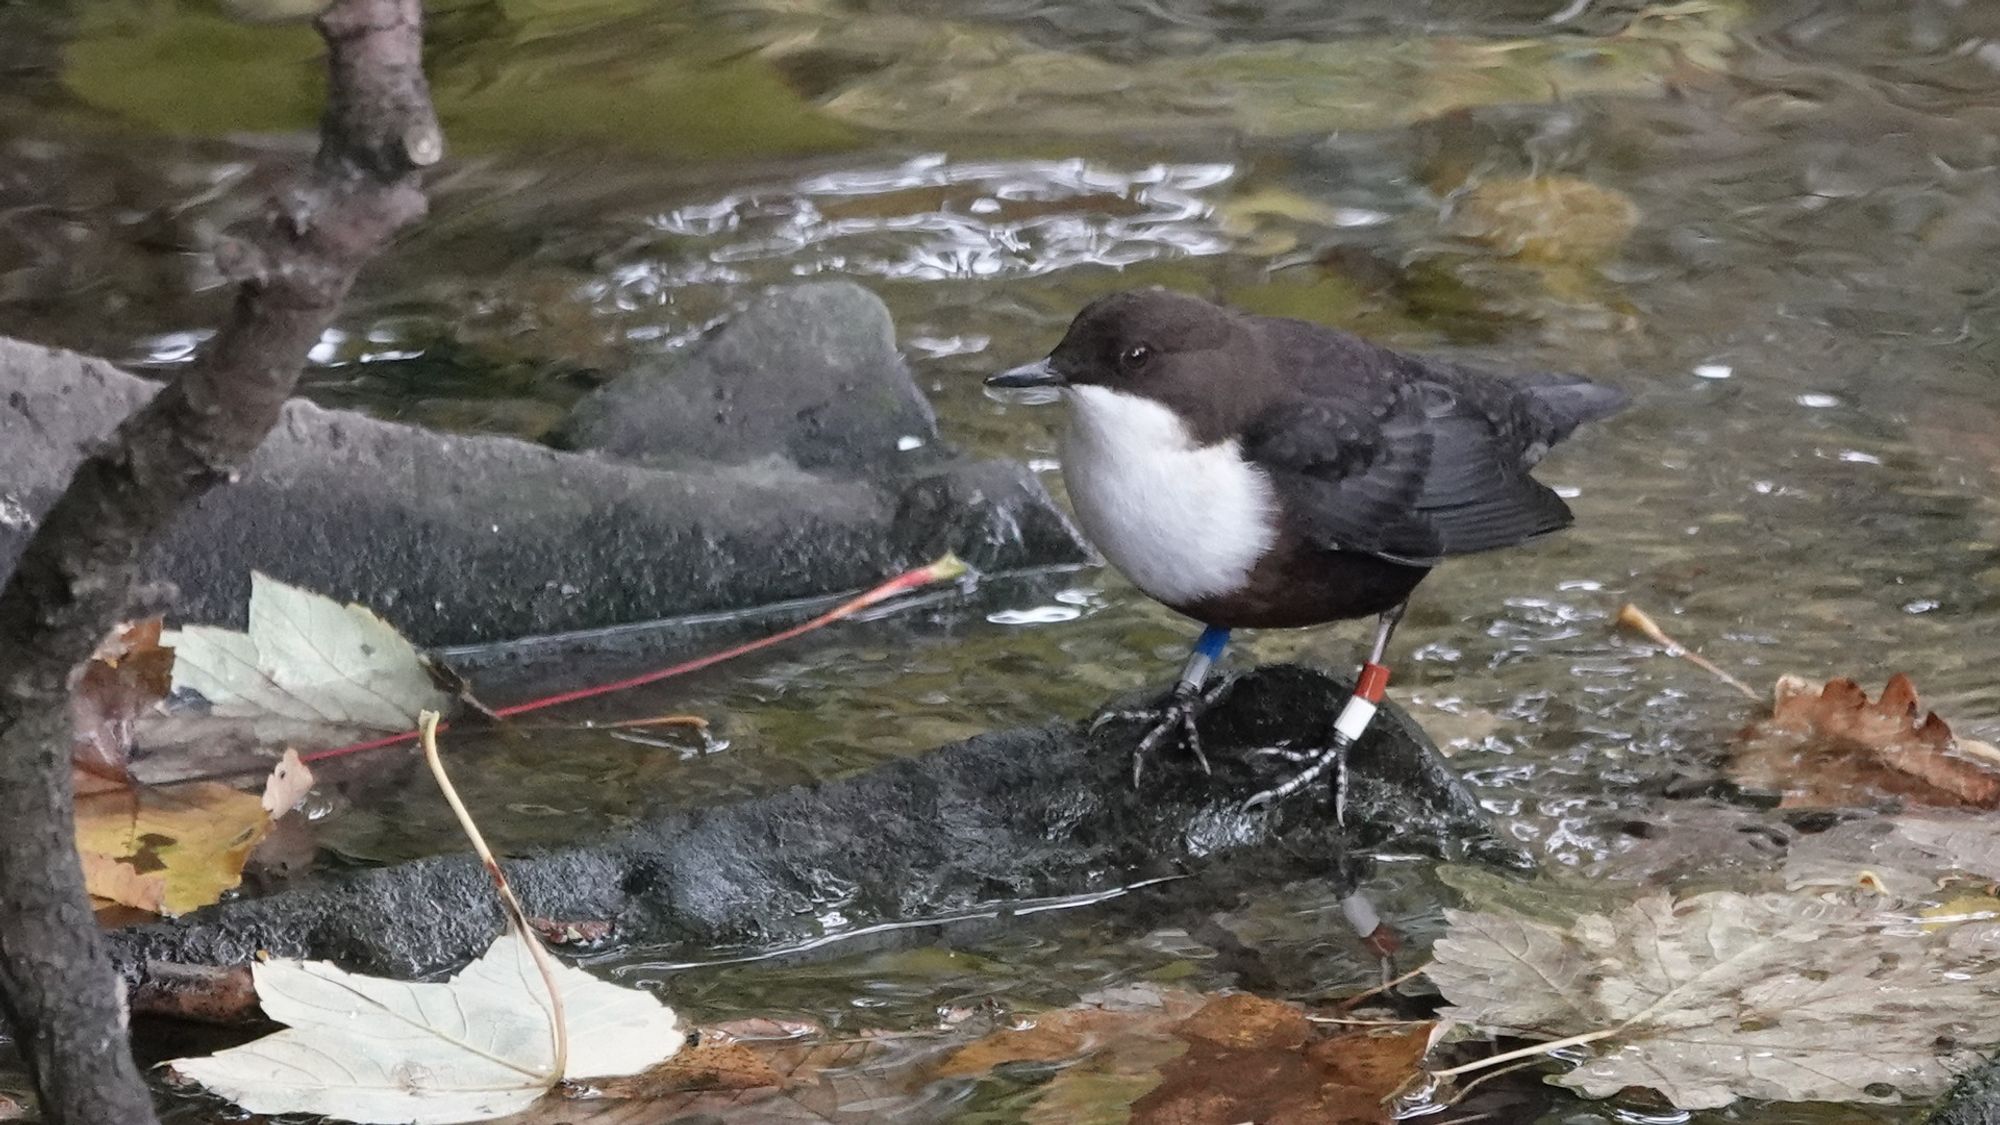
<point x="79" y="574"/>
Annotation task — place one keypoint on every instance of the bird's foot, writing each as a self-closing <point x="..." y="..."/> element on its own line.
<point x="1175" y="713"/>
<point x="1332" y="758"/>
<point x="1348" y="727"/>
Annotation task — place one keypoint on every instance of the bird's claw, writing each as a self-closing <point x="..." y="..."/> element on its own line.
<point x="1333" y="757"/>
<point x="1285" y="753"/>
<point x="1176" y="713"/>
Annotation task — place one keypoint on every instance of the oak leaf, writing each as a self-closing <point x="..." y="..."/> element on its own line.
<point x="308" y="671"/>
<point x="1831" y="746"/>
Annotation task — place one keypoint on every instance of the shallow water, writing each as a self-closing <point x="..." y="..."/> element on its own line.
<point x="1778" y="233"/>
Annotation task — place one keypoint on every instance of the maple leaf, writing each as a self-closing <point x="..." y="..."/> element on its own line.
<point x="1724" y="996"/>
<point x="475" y="1047"/>
<point x="1832" y="747"/>
<point x="167" y="851"/>
<point x="309" y="671"/>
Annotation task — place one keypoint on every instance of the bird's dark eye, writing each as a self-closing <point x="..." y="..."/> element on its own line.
<point x="1134" y="357"/>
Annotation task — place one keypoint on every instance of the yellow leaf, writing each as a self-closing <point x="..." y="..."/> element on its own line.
<point x="1964" y="908"/>
<point x="194" y="837"/>
<point x="117" y="881"/>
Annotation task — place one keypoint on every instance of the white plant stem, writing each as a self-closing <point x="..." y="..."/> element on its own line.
<point x="517" y="918"/>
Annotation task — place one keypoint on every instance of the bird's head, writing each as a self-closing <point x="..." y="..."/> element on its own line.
<point x="1148" y="342"/>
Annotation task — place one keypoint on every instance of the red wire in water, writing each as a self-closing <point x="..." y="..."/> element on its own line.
<point x="943" y="570"/>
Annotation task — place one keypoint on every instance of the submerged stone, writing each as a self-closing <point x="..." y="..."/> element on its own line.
<point x="808" y="373"/>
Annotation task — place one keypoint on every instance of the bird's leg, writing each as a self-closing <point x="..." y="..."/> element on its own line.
<point x="1348" y="728"/>
<point x="1177" y="711"/>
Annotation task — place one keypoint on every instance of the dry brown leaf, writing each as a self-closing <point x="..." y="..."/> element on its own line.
<point x="709" y="1066"/>
<point x="1056" y="1036"/>
<point x="124" y="678"/>
<point x="1242" y="1020"/>
<point x="1204" y="1059"/>
<point x="288" y="784"/>
<point x="1831" y="747"/>
<point x="1375" y="1060"/>
<point x="1245" y="1063"/>
<point x="1230" y="1058"/>
<point x="761" y="1081"/>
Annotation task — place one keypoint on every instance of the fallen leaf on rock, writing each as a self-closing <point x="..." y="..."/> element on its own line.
<point x="125" y="678"/>
<point x="117" y="881"/>
<point x="472" y="1048"/>
<point x="309" y="671"/>
<point x="288" y="784"/>
<point x="1831" y="747"/>
<point x="193" y="837"/>
<point x="1723" y="996"/>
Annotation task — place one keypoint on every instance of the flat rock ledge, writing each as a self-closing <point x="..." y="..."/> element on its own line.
<point x="1029" y="813"/>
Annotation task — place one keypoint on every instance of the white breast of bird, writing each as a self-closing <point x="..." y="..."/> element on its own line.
<point x="1183" y="521"/>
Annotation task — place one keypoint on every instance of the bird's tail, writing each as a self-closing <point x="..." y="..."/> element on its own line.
<point x="1568" y="401"/>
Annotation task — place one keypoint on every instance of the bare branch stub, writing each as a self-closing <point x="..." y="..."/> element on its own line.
<point x="77" y="576"/>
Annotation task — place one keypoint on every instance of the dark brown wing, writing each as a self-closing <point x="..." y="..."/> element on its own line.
<point x="1415" y="476"/>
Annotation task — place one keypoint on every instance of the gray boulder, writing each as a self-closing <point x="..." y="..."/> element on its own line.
<point x="461" y="539"/>
<point x="809" y="373"/>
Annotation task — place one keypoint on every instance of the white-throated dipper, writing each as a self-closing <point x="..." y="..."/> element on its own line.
<point x="1257" y="472"/>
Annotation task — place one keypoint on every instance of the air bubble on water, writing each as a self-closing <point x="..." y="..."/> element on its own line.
<point x="1039" y="615"/>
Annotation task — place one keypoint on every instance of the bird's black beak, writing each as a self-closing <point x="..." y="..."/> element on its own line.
<point x="1040" y="373"/>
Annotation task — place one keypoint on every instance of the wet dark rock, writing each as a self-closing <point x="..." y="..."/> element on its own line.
<point x="1026" y="813"/>
<point x="458" y="539"/>
<point x="809" y="373"/>
<point x="1973" y="1100"/>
